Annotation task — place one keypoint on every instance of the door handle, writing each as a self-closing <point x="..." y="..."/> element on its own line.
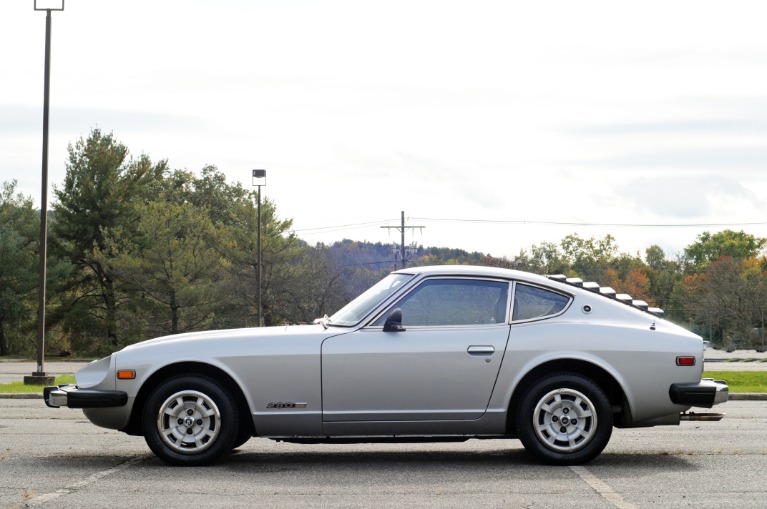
<point x="481" y="350"/>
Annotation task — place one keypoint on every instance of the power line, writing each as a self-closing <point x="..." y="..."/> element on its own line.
<point x="340" y="227"/>
<point x="351" y="226"/>
<point x="574" y="223"/>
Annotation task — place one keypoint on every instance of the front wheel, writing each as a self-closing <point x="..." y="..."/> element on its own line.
<point x="564" y="419"/>
<point x="190" y="420"/>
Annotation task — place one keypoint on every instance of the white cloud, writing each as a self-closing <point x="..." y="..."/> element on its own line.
<point x="588" y="112"/>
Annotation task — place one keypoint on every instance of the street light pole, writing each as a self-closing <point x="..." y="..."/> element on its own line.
<point x="39" y="377"/>
<point x="259" y="179"/>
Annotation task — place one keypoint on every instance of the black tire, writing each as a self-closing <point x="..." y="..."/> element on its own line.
<point x="190" y="420"/>
<point x="242" y="437"/>
<point x="564" y="419"/>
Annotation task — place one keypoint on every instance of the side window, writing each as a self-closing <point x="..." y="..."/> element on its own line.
<point x="533" y="302"/>
<point x="444" y="302"/>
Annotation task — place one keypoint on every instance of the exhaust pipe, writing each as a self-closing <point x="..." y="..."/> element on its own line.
<point x="709" y="417"/>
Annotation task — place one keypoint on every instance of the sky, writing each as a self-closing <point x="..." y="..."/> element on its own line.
<point x="495" y="125"/>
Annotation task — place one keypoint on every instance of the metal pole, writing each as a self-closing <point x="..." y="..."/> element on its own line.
<point x="402" y="244"/>
<point x="258" y="271"/>
<point x="44" y="207"/>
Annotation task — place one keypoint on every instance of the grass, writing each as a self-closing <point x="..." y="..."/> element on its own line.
<point x="741" y="381"/>
<point x="19" y="387"/>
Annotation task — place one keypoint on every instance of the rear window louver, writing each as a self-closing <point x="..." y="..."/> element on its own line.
<point x="608" y="292"/>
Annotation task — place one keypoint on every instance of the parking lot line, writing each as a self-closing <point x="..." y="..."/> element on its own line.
<point x="603" y="489"/>
<point x="41" y="499"/>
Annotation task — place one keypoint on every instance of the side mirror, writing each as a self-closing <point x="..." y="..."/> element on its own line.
<point x="393" y="322"/>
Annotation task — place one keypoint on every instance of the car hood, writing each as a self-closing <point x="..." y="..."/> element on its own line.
<point x="252" y="333"/>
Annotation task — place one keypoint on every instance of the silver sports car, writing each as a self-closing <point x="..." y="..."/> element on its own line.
<point x="426" y="354"/>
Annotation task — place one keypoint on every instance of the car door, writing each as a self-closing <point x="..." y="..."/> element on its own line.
<point x="442" y="366"/>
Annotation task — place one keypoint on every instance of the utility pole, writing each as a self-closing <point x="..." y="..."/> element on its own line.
<point x="401" y="228"/>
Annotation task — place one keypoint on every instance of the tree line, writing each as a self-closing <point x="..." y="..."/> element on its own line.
<point x="138" y="250"/>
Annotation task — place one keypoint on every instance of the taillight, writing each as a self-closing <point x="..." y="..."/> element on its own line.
<point x="685" y="360"/>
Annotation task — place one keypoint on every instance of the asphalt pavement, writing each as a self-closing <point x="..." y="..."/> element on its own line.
<point x="54" y="458"/>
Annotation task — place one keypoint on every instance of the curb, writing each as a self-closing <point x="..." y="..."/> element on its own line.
<point x="21" y="395"/>
<point x="747" y="396"/>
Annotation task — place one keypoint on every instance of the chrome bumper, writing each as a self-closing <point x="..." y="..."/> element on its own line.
<point x="71" y="396"/>
<point x="706" y="393"/>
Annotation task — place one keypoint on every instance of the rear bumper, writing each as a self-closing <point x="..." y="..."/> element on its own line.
<point x="73" y="397"/>
<point x="706" y="393"/>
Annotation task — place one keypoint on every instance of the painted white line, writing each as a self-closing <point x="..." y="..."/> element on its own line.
<point x="41" y="499"/>
<point x="603" y="489"/>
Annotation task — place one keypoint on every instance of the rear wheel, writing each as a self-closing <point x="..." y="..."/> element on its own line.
<point x="564" y="419"/>
<point x="190" y="420"/>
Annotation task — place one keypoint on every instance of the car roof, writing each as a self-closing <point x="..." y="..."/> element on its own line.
<point x="474" y="270"/>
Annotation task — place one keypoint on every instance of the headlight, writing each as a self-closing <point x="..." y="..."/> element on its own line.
<point x="94" y="374"/>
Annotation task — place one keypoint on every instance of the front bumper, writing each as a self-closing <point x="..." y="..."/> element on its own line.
<point x="71" y="396"/>
<point x="706" y="393"/>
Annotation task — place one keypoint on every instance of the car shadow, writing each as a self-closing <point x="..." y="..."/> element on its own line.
<point x="460" y="461"/>
<point x="376" y="461"/>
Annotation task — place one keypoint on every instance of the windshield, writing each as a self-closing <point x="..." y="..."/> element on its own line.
<point x="357" y="309"/>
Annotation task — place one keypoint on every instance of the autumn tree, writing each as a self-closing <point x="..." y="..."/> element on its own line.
<point x="663" y="274"/>
<point x="588" y="258"/>
<point x="543" y="258"/>
<point x="726" y="301"/>
<point x="710" y="247"/>
<point x="754" y="290"/>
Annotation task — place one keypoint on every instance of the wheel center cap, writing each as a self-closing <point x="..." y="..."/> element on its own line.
<point x="188" y="421"/>
<point x="565" y="420"/>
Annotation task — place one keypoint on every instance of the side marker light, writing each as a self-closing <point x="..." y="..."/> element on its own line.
<point x="126" y="374"/>
<point x="685" y="361"/>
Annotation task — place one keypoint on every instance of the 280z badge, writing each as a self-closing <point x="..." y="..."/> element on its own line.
<point x="286" y="405"/>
